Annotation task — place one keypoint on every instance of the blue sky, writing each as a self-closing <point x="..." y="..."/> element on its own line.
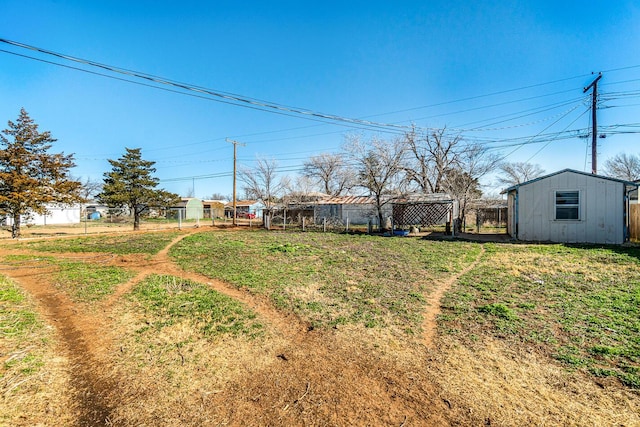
<point x="499" y="73"/>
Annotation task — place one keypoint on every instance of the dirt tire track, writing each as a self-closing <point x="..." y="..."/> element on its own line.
<point x="429" y="324"/>
<point x="72" y="329"/>
<point x="161" y="263"/>
<point x="339" y="385"/>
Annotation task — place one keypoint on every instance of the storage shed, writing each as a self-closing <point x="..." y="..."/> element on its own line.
<point x="570" y="206"/>
<point x="191" y="207"/>
<point x="355" y="209"/>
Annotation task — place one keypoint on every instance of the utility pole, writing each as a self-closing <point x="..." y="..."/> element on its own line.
<point x="594" y="124"/>
<point x="235" y="156"/>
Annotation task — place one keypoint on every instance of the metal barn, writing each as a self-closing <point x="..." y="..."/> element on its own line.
<point x="59" y="214"/>
<point x="570" y="206"/>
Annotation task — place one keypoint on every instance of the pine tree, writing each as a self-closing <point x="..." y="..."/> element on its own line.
<point x="131" y="184"/>
<point x="30" y="176"/>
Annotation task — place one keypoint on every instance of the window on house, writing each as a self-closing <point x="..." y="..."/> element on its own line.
<point x="568" y="205"/>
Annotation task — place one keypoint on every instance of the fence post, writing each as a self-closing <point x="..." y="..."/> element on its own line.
<point x="369" y="226"/>
<point x="347" y="222"/>
<point x="284" y="219"/>
<point x="324" y="224"/>
<point x="179" y="219"/>
<point x="303" y="224"/>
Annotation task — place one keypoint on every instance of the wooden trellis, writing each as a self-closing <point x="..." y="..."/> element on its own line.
<point x="422" y="213"/>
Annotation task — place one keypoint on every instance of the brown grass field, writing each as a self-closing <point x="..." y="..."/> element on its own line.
<point x="108" y="362"/>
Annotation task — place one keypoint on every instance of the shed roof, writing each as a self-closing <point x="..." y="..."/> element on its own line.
<point x="514" y="187"/>
<point x="346" y="200"/>
<point x="424" y="198"/>
<point x="242" y="203"/>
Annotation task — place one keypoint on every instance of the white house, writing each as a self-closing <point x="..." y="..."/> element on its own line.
<point x="570" y="206"/>
<point x="245" y="209"/>
<point x="56" y="215"/>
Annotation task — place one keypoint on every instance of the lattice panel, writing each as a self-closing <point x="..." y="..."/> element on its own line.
<point x="421" y="213"/>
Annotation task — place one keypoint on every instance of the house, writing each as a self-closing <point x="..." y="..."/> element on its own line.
<point x="633" y="197"/>
<point x="213" y="208"/>
<point x="570" y="206"/>
<point x="244" y="209"/>
<point x="57" y="214"/>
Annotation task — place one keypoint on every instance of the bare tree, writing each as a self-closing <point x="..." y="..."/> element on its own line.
<point x="300" y="190"/>
<point x="263" y="184"/>
<point x="330" y="172"/>
<point x="89" y="189"/>
<point x="378" y="164"/>
<point x="433" y="154"/>
<point x="220" y="196"/>
<point x="463" y="181"/>
<point x="623" y="166"/>
<point x="518" y="172"/>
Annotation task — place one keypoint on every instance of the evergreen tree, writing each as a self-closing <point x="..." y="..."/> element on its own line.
<point x="30" y="176"/>
<point x="131" y="184"/>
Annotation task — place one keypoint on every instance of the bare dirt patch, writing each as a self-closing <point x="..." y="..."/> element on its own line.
<point x="291" y="376"/>
<point x="429" y="325"/>
<point x="294" y="374"/>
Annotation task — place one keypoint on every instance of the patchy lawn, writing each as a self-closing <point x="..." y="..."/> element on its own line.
<point x="330" y="279"/>
<point x="579" y="305"/>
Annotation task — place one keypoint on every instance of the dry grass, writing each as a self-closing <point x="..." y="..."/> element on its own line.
<point x="34" y="380"/>
<point x="177" y="362"/>
<point x="177" y="353"/>
<point x="509" y="386"/>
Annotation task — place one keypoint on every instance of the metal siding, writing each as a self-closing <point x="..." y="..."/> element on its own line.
<point x="601" y="210"/>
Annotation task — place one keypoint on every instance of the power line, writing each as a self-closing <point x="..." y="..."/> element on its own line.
<point x="545" y="146"/>
<point x="208" y="98"/>
<point x="234" y="99"/>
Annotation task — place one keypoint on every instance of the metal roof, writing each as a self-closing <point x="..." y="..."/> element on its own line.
<point x="242" y="203"/>
<point x="514" y="187"/>
<point x="346" y="200"/>
<point x="424" y="198"/>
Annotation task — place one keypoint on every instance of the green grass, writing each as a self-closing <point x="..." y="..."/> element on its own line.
<point x="330" y="279"/>
<point x="580" y="304"/>
<point x="86" y="282"/>
<point x="82" y="281"/>
<point x="167" y="301"/>
<point x="22" y="334"/>
<point x="130" y="243"/>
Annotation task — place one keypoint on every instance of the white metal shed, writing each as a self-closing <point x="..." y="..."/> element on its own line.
<point x="570" y="206"/>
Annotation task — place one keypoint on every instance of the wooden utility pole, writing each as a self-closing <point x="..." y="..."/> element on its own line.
<point x="235" y="156"/>
<point x="594" y="124"/>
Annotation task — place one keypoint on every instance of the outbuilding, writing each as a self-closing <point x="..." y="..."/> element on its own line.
<point x="570" y="206"/>
<point x="250" y="209"/>
<point x="57" y="214"/>
<point x="191" y="207"/>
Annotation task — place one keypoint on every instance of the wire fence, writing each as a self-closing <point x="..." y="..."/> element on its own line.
<point x="330" y="224"/>
<point x="168" y="218"/>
